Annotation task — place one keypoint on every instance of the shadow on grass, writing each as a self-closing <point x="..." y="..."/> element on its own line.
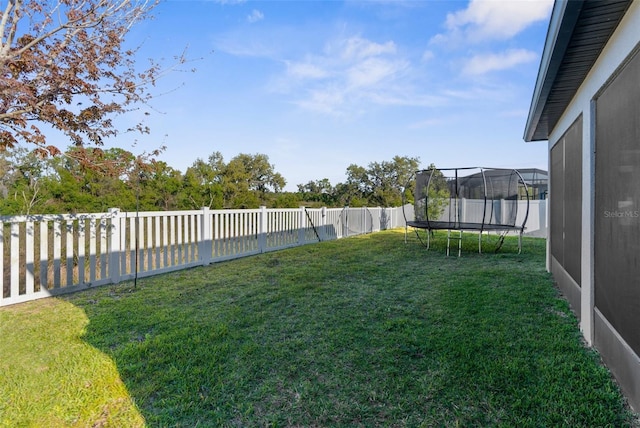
<point x="51" y="377"/>
<point x="366" y="331"/>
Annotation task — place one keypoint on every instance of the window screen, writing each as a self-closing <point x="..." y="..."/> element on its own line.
<point x="556" y="202"/>
<point x="617" y="203"/>
<point x="566" y="200"/>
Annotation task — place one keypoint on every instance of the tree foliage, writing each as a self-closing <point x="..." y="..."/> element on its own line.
<point x="246" y="181"/>
<point x="385" y="184"/>
<point x="90" y="179"/>
<point x="434" y="196"/>
<point x="438" y="194"/>
<point x="318" y="191"/>
<point x="381" y="183"/>
<point x="20" y="180"/>
<point x="63" y="64"/>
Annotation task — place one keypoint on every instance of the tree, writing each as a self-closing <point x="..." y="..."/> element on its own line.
<point x="247" y="181"/>
<point x="259" y="173"/>
<point x="160" y="187"/>
<point x="22" y="188"/>
<point x="203" y="183"/>
<point x="320" y="191"/>
<point x="355" y="190"/>
<point x="438" y="194"/>
<point x="90" y="179"/>
<point x="380" y="184"/>
<point x="64" y="64"/>
<point x="285" y="200"/>
<point x="389" y="179"/>
<point x="248" y="178"/>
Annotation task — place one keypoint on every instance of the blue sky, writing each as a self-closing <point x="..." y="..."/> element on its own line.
<point x="320" y="85"/>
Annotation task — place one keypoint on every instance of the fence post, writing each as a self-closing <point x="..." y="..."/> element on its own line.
<point x="206" y="238"/>
<point x="323" y="223"/>
<point x="302" y="224"/>
<point x="113" y="245"/>
<point x="345" y="223"/>
<point x="262" y="229"/>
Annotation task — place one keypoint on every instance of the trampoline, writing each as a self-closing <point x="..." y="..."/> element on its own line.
<point x="474" y="199"/>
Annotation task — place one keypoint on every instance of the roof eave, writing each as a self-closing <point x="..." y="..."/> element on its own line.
<point x="564" y="17"/>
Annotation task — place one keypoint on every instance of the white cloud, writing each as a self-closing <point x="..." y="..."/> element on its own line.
<point x="255" y="16"/>
<point x="372" y="71"/>
<point x="481" y="64"/>
<point x="305" y="70"/>
<point x="328" y="100"/>
<point x="407" y="97"/>
<point x="356" y="48"/>
<point x="470" y="95"/>
<point x="246" y="43"/>
<point x="346" y="72"/>
<point x="427" y="56"/>
<point x="491" y="19"/>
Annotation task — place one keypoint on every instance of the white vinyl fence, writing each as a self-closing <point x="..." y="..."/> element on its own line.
<point x="47" y="255"/>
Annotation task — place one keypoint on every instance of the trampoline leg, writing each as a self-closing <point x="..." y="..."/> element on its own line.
<point x="480" y="243"/>
<point x="428" y="238"/>
<point x="520" y="243"/>
<point x="459" y="243"/>
<point x="448" y="241"/>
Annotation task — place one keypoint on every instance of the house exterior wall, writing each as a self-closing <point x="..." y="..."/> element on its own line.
<point x="609" y="271"/>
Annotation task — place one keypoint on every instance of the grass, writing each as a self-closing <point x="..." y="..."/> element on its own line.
<point x="365" y="331"/>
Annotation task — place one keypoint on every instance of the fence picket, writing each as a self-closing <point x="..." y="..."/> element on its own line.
<point x="149" y="243"/>
<point x="82" y="225"/>
<point x="156" y="242"/>
<point x="172" y="239"/>
<point x="44" y="255"/>
<point x="15" y="258"/>
<point x="68" y="246"/>
<point x="29" y="258"/>
<point x="92" y="250"/>
<point x="194" y="239"/>
<point x="165" y="241"/>
<point x="103" y="248"/>
<point x="57" y="248"/>
<point x="131" y="261"/>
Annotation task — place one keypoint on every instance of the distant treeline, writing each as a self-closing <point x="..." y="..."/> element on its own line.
<point x="93" y="180"/>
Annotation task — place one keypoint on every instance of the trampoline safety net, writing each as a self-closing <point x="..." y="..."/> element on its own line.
<point x="469" y="199"/>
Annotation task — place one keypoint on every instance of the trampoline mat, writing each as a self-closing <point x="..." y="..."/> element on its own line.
<point x="446" y="225"/>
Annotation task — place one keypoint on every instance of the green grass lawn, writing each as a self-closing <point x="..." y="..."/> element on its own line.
<point x="366" y="331"/>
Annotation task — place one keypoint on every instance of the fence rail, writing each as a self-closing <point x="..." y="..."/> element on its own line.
<point x="48" y="255"/>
